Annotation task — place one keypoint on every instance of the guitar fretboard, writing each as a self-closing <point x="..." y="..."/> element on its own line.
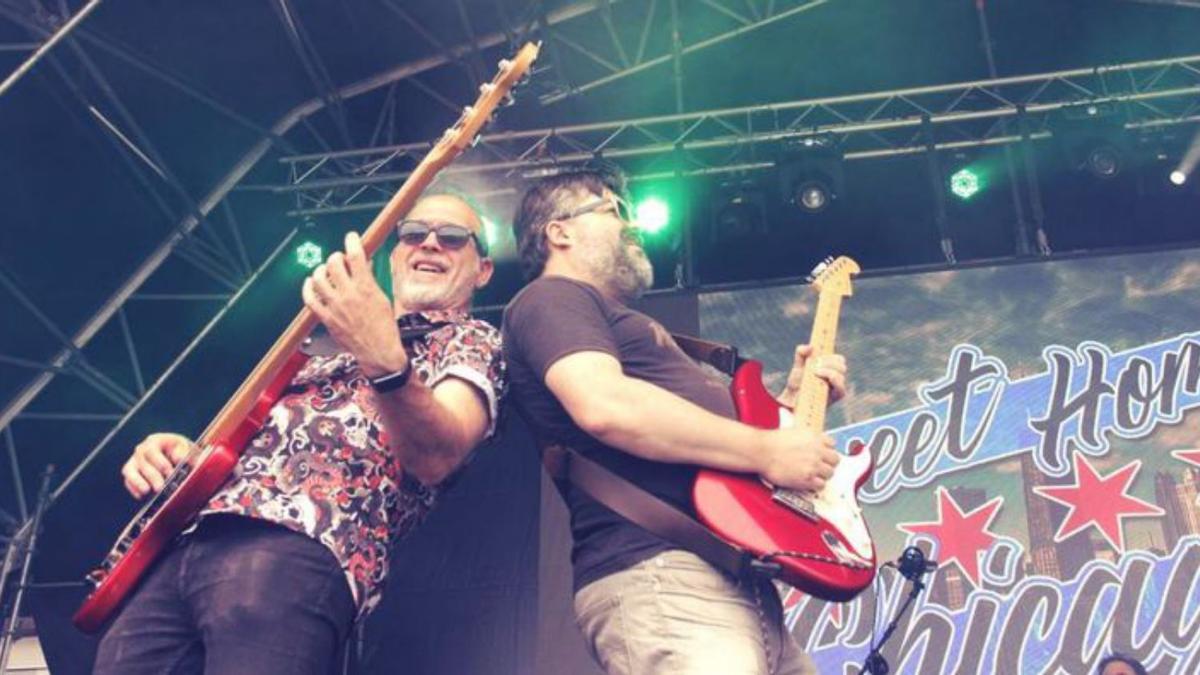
<point x="812" y="400"/>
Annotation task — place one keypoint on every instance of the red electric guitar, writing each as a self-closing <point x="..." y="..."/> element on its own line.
<point x="203" y="472"/>
<point x="819" y="539"/>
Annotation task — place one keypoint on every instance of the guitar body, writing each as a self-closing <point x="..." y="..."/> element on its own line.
<point x="821" y="560"/>
<point x="131" y="557"/>
<point x="185" y="493"/>
<point x="819" y="539"/>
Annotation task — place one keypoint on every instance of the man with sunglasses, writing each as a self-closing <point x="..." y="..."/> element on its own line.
<point x="295" y="546"/>
<point x="611" y="384"/>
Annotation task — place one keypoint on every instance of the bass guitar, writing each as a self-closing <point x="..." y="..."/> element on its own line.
<point x="198" y="477"/>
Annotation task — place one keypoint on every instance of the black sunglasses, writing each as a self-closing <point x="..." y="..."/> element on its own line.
<point x="449" y="236"/>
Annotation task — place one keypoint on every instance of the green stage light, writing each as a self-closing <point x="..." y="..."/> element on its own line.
<point x="309" y="255"/>
<point x="965" y="183"/>
<point x="652" y="215"/>
<point x="491" y="233"/>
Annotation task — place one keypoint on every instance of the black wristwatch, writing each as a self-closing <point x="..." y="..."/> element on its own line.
<point x="391" y="381"/>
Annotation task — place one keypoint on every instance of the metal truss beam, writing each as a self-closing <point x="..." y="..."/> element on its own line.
<point x="870" y="125"/>
<point x="1189" y="4"/>
<point x="181" y="234"/>
<point x="675" y="50"/>
<point x="121" y="420"/>
<point x="48" y="45"/>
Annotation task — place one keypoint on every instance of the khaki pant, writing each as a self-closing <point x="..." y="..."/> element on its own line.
<point x="676" y="614"/>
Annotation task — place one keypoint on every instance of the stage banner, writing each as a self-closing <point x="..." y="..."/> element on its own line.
<point x="1035" y="430"/>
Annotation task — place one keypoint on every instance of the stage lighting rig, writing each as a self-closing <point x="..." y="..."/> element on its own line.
<point x="810" y="172"/>
<point x="308" y="251"/>
<point x="1093" y="138"/>
<point x="965" y="183"/>
<point x="652" y="214"/>
<point x="739" y="210"/>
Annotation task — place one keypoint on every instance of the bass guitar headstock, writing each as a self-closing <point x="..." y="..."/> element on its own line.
<point x="465" y="132"/>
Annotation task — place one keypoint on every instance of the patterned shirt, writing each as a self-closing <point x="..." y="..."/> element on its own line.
<point x="320" y="464"/>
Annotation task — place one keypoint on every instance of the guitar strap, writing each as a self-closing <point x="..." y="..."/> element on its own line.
<point x="646" y="510"/>
<point x="720" y="356"/>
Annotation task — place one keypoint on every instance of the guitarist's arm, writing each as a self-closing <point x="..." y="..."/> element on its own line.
<point x="648" y="421"/>
<point x="433" y="430"/>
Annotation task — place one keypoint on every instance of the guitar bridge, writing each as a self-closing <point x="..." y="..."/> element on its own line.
<point x="796" y="502"/>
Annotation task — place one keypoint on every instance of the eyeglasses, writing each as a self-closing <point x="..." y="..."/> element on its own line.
<point x="619" y="207"/>
<point x="449" y="236"/>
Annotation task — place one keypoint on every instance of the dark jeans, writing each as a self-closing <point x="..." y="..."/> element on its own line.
<point x="236" y="596"/>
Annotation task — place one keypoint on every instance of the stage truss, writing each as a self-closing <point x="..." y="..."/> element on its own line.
<point x="206" y="234"/>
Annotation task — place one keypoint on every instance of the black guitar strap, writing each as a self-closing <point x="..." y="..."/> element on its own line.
<point x="720" y="356"/>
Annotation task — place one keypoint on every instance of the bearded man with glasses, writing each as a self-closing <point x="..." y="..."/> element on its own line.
<point x="295" y="546"/>
<point x="611" y="384"/>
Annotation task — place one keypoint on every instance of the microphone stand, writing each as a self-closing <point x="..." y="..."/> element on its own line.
<point x="912" y="565"/>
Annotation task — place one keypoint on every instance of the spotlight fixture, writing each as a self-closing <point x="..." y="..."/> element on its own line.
<point x="652" y="214"/>
<point x="810" y="173"/>
<point x="812" y="195"/>
<point x="1104" y="161"/>
<point x="309" y="255"/>
<point x="1178" y="177"/>
<point x="1093" y="138"/>
<point x="965" y="183"/>
<point x="738" y="211"/>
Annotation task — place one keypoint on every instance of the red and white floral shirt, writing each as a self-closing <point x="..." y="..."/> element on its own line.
<point x="320" y="465"/>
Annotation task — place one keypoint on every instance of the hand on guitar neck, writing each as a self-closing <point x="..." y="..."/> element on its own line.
<point x="831" y="368"/>
<point x="344" y="295"/>
<point x="800" y="458"/>
<point x="152" y="461"/>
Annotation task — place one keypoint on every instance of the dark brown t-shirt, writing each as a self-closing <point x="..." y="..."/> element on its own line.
<point x="554" y="317"/>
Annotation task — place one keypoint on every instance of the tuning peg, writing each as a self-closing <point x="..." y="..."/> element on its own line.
<point x="468" y="111"/>
<point x="486" y="88"/>
<point x="505" y="64"/>
<point x="508" y="100"/>
<point x="818" y="271"/>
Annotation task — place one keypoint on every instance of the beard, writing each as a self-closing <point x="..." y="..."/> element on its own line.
<point x="424" y="296"/>
<point x="624" y="266"/>
<point x="453" y="291"/>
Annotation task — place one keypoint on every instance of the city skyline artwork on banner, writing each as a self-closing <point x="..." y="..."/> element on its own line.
<point x="1035" y="430"/>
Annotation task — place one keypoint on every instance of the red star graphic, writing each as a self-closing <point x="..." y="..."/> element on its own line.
<point x="1102" y="501"/>
<point x="961" y="537"/>
<point x="1189" y="455"/>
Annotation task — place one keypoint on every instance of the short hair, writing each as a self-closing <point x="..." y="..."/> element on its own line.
<point x="547" y="199"/>
<point x="1117" y="657"/>
<point x="449" y="188"/>
<point x="381" y="266"/>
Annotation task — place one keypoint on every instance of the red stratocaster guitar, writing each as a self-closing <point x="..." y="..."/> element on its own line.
<point x="819" y="539"/>
<point x="201" y="474"/>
